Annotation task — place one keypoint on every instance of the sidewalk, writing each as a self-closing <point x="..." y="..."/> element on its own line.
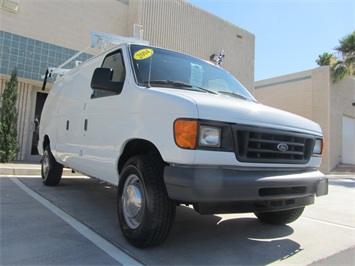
<point x="26" y="168"/>
<point x="343" y="169"/>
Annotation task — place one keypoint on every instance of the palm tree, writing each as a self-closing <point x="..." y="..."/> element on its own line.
<point x="347" y="51"/>
<point x="339" y="71"/>
<point x="345" y="64"/>
<point x="347" y="45"/>
<point x="324" y="59"/>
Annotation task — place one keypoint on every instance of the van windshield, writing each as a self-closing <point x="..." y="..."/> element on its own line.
<point x="156" y="67"/>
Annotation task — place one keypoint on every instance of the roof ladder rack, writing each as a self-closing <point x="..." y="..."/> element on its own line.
<point x="99" y="40"/>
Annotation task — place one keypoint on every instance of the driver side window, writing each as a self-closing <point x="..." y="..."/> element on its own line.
<point x="115" y="62"/>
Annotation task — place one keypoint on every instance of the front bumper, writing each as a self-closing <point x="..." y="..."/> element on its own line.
<point x="271" y="190"/>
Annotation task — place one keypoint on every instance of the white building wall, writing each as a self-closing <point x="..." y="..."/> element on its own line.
<point x="348" y="153"/>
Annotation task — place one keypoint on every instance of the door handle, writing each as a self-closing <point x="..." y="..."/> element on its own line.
<point x="86" y="125"/>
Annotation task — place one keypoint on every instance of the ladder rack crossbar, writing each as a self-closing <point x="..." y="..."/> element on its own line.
<point x="98" y="40"/>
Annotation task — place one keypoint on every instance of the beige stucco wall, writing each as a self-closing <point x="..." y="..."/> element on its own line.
<point x="181" y="26"/>
<point x="312" y="94"/>
<point x="173" y="24"/>
<point x="304" y="93"/>
<point x="343" y="96"/>
<point x="292" y="93"/>
<point x="66" y="23"/>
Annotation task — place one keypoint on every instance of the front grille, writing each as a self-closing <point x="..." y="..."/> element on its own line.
<point x="263" y="145"/>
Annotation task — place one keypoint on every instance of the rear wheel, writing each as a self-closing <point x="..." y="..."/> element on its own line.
<point x="280" y="217"/>
<point x="145" y="212"/>
<point x="51" y="170"/>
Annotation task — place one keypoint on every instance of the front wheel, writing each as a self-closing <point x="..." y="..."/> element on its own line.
<point x="145" y="212"/>
<point x="51" y="170"/>
<point x="280" y="217"/>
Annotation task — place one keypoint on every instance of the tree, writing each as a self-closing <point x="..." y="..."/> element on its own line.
<point x="9" y="146"/>
<point x="344" y="64"/>
<point x="347" y="50"/>
<point x="339" y="71"/>
<point x="324" y="59"/>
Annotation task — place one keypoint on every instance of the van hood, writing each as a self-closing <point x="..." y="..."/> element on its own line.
<point x="230" y="109"/>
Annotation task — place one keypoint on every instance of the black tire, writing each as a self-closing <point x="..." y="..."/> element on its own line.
<point x="145" y="212"/>
<point x="280" y="217"/>
<point x="51" y="170"/>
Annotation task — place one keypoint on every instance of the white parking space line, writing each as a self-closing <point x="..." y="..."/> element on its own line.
<point x="328" y="223"/>
<point x="96" y="239"/>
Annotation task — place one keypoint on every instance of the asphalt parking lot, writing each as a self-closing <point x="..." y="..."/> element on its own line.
<point x="76" y="223"/>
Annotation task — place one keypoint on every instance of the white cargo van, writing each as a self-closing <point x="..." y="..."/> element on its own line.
<point x="170" y="129"/>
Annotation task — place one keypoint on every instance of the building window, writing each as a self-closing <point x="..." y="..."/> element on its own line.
<point x="126" y="2"/>
<point x="10" y="5"/>
<point x="32" y="57"/>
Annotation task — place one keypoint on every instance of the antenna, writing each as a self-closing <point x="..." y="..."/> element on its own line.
<point x="218" y="58"/>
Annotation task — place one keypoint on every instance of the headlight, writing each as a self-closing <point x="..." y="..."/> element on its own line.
<point x="194" y="134"/>
<point x="318" y="147"/>
<point x="210" y="136"/>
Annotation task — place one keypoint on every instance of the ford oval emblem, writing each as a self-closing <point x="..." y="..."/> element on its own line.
<point x="282" y="147"/>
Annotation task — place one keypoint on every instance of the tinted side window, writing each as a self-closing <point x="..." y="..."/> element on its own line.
<point x="115" y="62"/>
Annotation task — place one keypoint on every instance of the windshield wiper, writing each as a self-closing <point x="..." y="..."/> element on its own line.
<point x="169" y="83"/>
<point x="176" y="84"/>
<point x="234" y="94"/>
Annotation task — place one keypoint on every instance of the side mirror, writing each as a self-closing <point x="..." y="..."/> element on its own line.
<point x="102" y="80"/>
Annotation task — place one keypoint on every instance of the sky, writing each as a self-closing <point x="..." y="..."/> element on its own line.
<point x="289" y="34"/>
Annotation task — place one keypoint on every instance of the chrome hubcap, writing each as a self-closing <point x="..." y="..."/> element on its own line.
<point x="45" y="165"/>
<point x="133" y="201"/>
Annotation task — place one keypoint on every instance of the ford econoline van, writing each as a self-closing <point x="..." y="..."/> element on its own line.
<point x="170" y="129"/>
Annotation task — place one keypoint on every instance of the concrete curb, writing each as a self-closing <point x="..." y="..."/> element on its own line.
<point x="26" y="169"/>
<point x="14" y="171"/>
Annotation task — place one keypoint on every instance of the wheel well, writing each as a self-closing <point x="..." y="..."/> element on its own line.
<point x="45" y="141"/>
<point x="137" y="147"/>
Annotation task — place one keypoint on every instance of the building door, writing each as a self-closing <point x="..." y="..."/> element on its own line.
<point x="348" y="140"/>
<point x="33" y="152"/>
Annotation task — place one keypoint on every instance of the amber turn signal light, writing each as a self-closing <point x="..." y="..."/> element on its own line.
<point x="185" y="133"/>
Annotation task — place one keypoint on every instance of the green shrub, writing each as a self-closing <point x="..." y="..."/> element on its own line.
<point x="9" y="146"/>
